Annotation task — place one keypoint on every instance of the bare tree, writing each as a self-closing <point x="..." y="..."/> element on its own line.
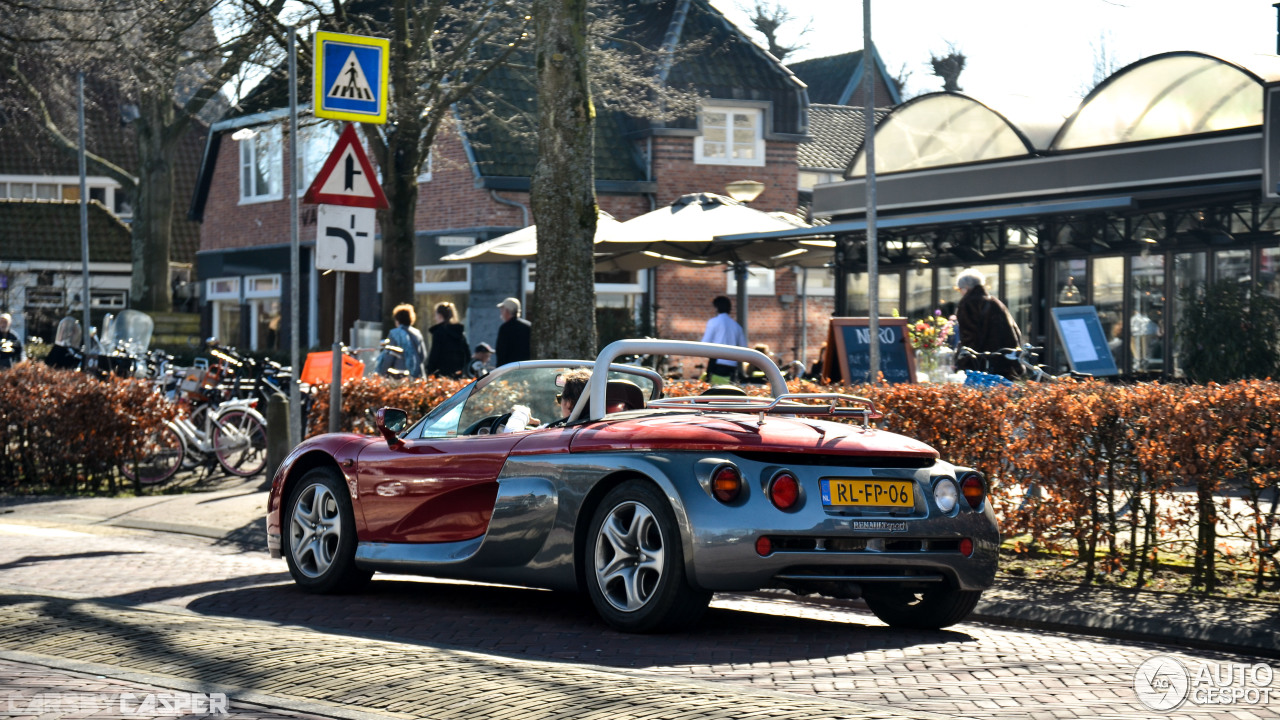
<point x="768" y="18"/>
<point x="563" y="193"/>
<point x="1105" y="63"/>
<point x="165" y="59"/>
<point x="948" y="67"/>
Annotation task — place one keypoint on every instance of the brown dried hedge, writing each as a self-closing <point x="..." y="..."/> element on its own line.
<point x="66" y="432"/>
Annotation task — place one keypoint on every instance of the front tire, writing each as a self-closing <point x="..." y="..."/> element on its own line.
<point x="320" y="535"/>
<point x="635" y="563"/>
<point x="160" y="457"/>
<point x="930" y="609"/>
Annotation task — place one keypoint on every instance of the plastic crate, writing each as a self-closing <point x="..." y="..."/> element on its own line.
<point x="318" y="370"/>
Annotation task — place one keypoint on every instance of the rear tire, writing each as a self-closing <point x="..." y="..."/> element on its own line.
<point x="159" y="457"/>
<point x="239" y="442"/>
<point x="635" y="573"/>
<point x="930" y="609"/>
<point x="319" y="535"/>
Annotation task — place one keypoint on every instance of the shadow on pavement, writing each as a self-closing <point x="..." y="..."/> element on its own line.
<point x="160" y="594"/>
<point x="558" y="626"/>
<point x="28" y="560"/>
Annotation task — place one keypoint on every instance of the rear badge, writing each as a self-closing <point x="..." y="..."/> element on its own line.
<point x="878" y="525"/>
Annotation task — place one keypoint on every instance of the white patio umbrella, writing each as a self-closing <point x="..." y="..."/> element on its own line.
<point x="685" y="231"/>
<point x="521" y="244"/>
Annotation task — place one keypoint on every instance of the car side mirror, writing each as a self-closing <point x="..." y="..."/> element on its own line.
<point x="390" y="423"/>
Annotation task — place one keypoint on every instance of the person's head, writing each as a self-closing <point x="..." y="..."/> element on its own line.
<point x="722" y="304"/>
<point x="404" y="314"/>
<point x="6" y="320"/>
<point x="969" y="279"/>
<point x="446" y="313"/>
<point x="483" y="351"/>
<point x="575" y="381"/>
<point x="509" y="308"/>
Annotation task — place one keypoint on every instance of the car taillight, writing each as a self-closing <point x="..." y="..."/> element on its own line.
<point x="972" y="489"/>
<point x="764" y="546"/>
<point x="726" y="483"/>
<point x="966" y="547"/>
<point x="784" y="490"/>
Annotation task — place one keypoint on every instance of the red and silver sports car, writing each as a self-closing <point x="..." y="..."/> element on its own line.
<point x="647" y="504"/>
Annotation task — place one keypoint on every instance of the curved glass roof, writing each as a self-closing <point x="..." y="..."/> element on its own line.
<point x="1162" y="96"/>
<point x="940" y="129"/>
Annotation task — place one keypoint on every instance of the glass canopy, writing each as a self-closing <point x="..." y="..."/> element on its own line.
<point x="1164" y="96"/>
<point x="940" y="129"/>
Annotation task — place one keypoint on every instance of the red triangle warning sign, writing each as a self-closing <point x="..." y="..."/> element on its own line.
<point x="347" y="177"/>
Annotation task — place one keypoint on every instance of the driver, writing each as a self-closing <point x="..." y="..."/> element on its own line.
<point x="572" y="384"/>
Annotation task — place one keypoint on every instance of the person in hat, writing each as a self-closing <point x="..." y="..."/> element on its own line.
<point x="481" y="361"/>
<point x="513" y="334"/>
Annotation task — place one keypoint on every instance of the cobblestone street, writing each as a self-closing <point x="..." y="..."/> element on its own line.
<point x="204" y="614"/>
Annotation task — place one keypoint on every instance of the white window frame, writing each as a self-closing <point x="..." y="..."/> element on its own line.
<point x="210" y="293"/>
<point x="812" y="290"/>
<point x="270" y="293"/>
<point x="732" y="112"/>
<point x="324" y="133"/>
<point x="107" y="185"/>
<point x="760" y="281"/>
<point x="636" y="288"/>
<point x="262" y="140"/>
<point x="421" y="286"/>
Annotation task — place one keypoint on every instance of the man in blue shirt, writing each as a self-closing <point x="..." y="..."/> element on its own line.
<point x="725" y="330"/>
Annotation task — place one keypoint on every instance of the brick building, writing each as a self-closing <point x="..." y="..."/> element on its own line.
<point x="753" y="121"/>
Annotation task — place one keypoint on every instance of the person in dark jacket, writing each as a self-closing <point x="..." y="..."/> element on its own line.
<point x="985" y="326"/>
<point x="513" y="334"/>
<point x="449" y="354"/>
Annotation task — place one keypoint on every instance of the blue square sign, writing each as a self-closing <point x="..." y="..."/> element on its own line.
<point x="351" y="77"/>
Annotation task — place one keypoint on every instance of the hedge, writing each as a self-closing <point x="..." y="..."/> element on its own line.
<point x="68" y="432"/>
<point x="1087" y="469"/>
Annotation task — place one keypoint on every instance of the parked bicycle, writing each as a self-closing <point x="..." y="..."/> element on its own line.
<point x="1025" y="356"/>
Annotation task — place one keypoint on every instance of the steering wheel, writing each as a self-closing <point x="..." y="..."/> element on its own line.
<point x="489" y="424"/>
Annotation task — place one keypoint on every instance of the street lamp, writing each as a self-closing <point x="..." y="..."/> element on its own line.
<point x="744" y="191"/>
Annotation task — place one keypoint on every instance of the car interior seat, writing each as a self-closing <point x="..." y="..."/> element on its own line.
<point x="624" y="393"/>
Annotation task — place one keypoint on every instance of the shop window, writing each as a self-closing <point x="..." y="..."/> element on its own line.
<point x="890" y="293"/>
<point x="262" y="299"/>
<point x="1190" y="270"/>
<point x="730" y="136"/>
<point x="1232" y="265"/>
<point x="1147" y="319"/>
<point x="1107" y="291"/>
<point x="1268" y="267"/>
<point x="1018" y="298"/>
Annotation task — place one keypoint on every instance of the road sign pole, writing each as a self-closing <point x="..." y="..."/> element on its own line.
<point x="335" y="388"/>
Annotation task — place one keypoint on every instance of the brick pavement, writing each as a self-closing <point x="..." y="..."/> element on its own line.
<point x="807" y="648"/>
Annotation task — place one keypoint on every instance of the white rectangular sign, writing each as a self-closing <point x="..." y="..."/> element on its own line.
<point x="344" y="238"/>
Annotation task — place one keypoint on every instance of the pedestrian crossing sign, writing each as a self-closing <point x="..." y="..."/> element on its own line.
<point x="351" y="77"/>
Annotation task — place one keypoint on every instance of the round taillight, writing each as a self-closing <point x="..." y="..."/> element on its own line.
<point x="966" y="547"/>
<point x="784" y="491"/>
<point x="726" y="483"/>
<point x="945" y="494"/>
<point x="764" y="546"/>
<point x="972" y="489"/>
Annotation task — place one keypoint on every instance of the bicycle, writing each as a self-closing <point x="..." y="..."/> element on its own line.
<point x="1025" y="357"/>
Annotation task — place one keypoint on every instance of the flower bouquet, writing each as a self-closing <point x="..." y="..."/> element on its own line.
<point x="931" y="333"/>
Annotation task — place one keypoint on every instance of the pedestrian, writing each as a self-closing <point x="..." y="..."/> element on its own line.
<point x="11" y="350"/>
<point x="513" y="334"/>
<point x="724" y="330"/>
<point x="481" y="361"/>
<point x="409" y="339"/>
<point x="985" y="326"/>
<point x="448" y="354"/>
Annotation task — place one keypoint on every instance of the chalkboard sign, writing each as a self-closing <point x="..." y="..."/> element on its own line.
<point x="849" y="346"/>
<point x="1084" y="341"/>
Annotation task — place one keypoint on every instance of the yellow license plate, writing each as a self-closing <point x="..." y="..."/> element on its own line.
<point x="869" y="493"/>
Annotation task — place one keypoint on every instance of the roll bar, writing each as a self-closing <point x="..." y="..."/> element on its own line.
<point x="777" y="383"/>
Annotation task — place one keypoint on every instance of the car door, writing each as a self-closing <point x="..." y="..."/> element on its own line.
<point x="431" y="489"/>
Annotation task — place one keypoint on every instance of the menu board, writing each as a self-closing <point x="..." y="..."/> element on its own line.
<point x="1083" y="340"/>
<point x="848" y="355"/>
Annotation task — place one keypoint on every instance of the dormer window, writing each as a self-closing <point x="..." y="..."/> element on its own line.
<point x="730" y="136"/>
<point x="261" y="165"/>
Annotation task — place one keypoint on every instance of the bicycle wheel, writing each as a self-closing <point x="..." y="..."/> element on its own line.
<point x="240" y="442"/>
<point x="159" y="457"/>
